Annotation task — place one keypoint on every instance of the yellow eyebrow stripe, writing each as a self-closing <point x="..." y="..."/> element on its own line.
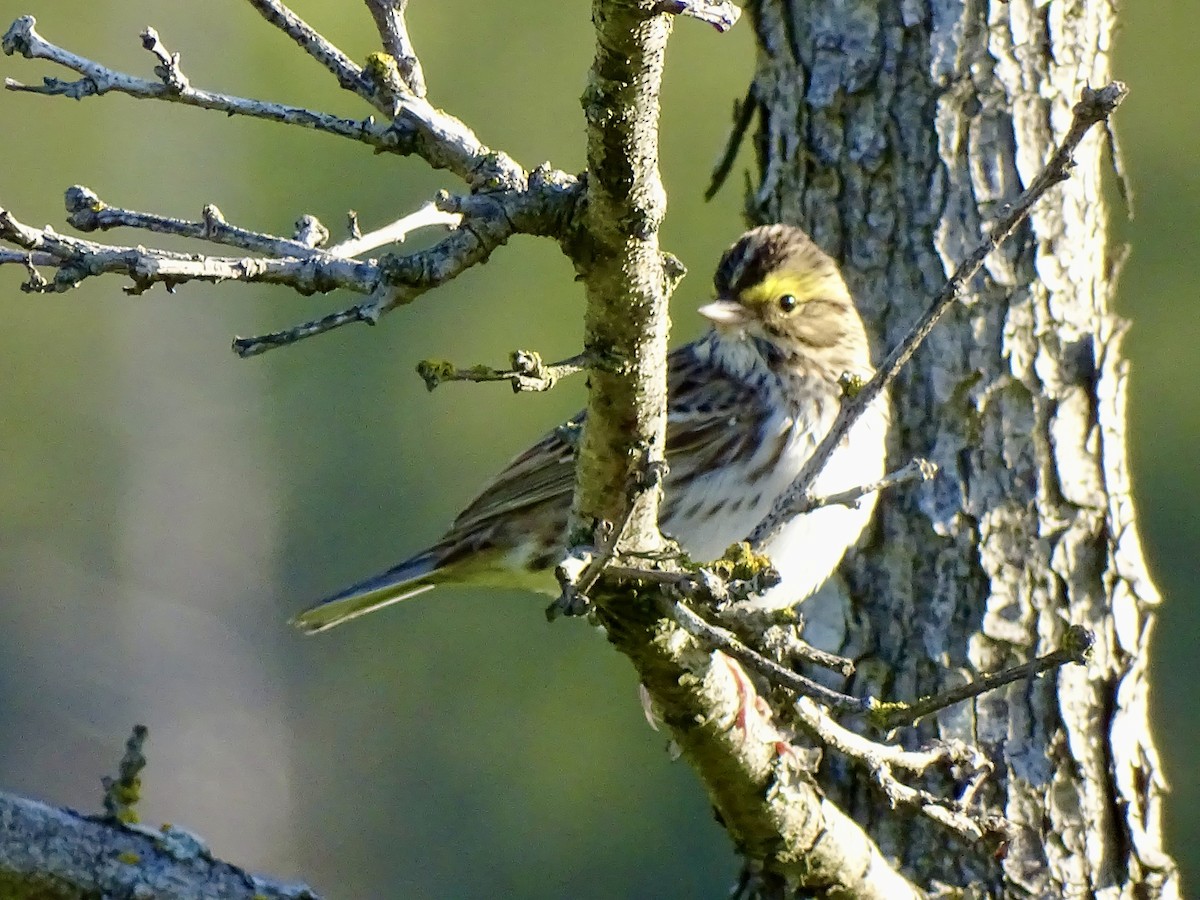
<point x="803" y="285"/>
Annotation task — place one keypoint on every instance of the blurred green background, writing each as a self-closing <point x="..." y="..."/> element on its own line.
<point x="164" y="506"/>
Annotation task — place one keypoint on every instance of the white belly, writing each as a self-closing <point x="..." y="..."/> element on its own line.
<point x="809" y="547"/>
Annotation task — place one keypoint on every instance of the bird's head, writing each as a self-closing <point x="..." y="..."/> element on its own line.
<point x="775" y="285"/>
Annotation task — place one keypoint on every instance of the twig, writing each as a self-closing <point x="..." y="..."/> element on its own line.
<point x="724" y="640"/>
<point x="389" y="282"/>
<point x="881" y="759"/>
<point x="439" y="138"/>
<point x="1074" y="649"/>
<point x="245" y="347"/>
<point x="87" y="212"/>
<point x="77" y="259"/>
<point x="395" y="232"/>
<point x="121" y="794"/>
<point x="312" y="42"/>
<point x="720" y="15"/>
<point x="23" y="38"/>
<point x="918" y="471"/>
<point x="1094" y="106"/>
<point x="785" y="643"/>
<point x="401" y="279"/>
<point x="743" y="114"/>
<point x="527" y="372"/>
<point x="168" y="63"/>
<point x="419" y="128"/>
<point x="583" y="564"/>
<point x="393" y="31"/>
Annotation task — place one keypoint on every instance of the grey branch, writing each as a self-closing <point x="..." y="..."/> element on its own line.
<point x="76" y="259"/>
<point x="743" y="114"/>
<point x="437" y="137"/>
<point x="720" y="15"/>
<point x="725" y="640"/>
<point x="393" y="31"/>
<point x="1093" y="107"/>
<point x="881" y="760"/>
<point x="87" y="212"/>
<point x="317" y="46"/>
<point x="918" y="471"/>
<point x="57" y="853"/>
<point x="1075" y="647"/>
<point x="388" y="282"/>
<point x="488" y="221"/>
<point x="97" y="79"/>
<point x="418" y="127"/>
<point x="508" y="200"/>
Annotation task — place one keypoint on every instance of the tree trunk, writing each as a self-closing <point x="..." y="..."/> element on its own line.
<point x="894" y="132"/>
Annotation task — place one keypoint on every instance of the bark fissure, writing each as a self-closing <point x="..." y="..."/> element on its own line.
<point x="896" y="138"/>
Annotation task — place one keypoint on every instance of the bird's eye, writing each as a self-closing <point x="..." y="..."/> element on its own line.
<point x="787" y="303"/>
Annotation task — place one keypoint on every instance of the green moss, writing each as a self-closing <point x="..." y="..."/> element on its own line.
<point x="740" y="562"/>
<point x="434" y="371"/>
<point x="882" y="712"/>
<point x="384" y="74"/>
<point x="852" y="385"/>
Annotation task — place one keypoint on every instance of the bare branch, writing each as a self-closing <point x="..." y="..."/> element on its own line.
<point x="391" y="281"/>
<point x="1075" y="647"/>
<point x="87" y="212"/>
<point x="743" y="113"/>
<point x="97" y="79"/>
<point x="396" y="232"/>
<point x="784" y="642"/>
<point x="527" y="371"/>
<point x="57" y="853"/>
<point x="312" y="42"/>
<point x="918" y="471"/>
<point x="439" y="138"/>
<point x="720" y="638"/>
<point x="881" y="759"/>
<point x="393" y="31"/>
<point x="77" y="259"/>
<point x="488" y="221"/>
<point x="720" y="15"/>
<point x="419" y="128"/>
<point x="1095" y="106"/>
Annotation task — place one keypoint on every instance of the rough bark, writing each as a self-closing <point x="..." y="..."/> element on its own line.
<point x="49" y="853"/>
<point x="893" y="133"/>
<point x="622" y="268"/>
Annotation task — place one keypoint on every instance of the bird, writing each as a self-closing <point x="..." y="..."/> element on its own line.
<point x="747" y="403"/>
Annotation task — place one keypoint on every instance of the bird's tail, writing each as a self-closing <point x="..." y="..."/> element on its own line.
<point x="406" y="580"/>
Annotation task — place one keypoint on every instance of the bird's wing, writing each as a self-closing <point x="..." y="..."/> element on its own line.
<point x="705" y="419"/>
<point x="543" y="473"/>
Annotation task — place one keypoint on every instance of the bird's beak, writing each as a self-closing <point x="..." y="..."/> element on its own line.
<point x="729" y="313"/>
